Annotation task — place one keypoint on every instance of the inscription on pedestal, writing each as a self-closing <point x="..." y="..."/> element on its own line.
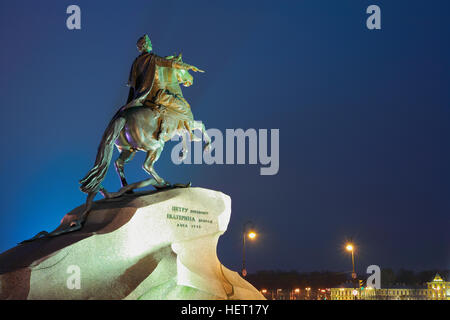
<point x="188" y="218"/>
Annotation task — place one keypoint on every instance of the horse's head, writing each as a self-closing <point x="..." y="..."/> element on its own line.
<point x="183" y="76"/>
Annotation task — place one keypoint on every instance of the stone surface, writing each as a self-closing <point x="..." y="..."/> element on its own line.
<point x="154" y="245"/>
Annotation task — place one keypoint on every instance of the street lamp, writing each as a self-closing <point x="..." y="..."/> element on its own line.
<point x="251" y="234"/>
<point x="351" y="249"/>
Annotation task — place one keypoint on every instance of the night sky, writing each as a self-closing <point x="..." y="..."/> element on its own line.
<point x="364" y="119"/>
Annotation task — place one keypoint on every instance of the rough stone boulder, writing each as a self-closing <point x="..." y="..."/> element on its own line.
<point x="159" y="245"/>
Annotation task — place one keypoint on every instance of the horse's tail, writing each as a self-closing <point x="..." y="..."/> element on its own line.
<point x="91" y="182"/>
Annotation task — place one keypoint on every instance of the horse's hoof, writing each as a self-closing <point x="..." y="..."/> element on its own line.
<point x="207" y="147"/>
<point x="164" y="185"/>
<point x="182" y="155"/>
<point x="182" y="185"/>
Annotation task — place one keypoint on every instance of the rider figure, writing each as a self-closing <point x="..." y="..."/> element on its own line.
<point x="146" y="88"/>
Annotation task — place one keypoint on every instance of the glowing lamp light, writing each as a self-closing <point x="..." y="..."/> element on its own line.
<point x="349" y="247"/>
<point x="252" y="235"/>
<point x="264" y="291"/>
<point x="297" y="290"/>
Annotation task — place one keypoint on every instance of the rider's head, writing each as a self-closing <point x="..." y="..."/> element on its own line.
<point x="144" y="44"/>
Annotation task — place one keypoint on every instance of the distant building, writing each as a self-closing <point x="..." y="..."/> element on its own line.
<point x="296" y="294"/>
<point x="437" y="289"/>
<point x="399" y="293"/>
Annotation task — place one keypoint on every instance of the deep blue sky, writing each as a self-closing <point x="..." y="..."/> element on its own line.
<point x="364" y="119"/>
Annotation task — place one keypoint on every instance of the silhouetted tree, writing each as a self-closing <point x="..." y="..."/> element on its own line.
<point x="387" y="277"/>
<point x="406" y="277"/>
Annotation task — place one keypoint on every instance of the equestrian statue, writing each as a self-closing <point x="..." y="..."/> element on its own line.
<point x="155" y="112"/>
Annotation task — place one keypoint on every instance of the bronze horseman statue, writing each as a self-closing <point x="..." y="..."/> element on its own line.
<point x="154" y="113"/>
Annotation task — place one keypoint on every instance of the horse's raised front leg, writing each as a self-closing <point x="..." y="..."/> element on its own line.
<point x="184" y="151"/>
<point x="198" y="125"/>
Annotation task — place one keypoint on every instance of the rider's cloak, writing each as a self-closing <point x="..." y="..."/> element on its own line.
<point x="142" y="79"/>
<point x="142" y="73"/>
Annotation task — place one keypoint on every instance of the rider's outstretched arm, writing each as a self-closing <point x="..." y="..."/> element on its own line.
<point x="163" y="62"/>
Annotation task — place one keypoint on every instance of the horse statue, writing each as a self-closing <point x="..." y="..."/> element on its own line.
<point x="143" y="127"/>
